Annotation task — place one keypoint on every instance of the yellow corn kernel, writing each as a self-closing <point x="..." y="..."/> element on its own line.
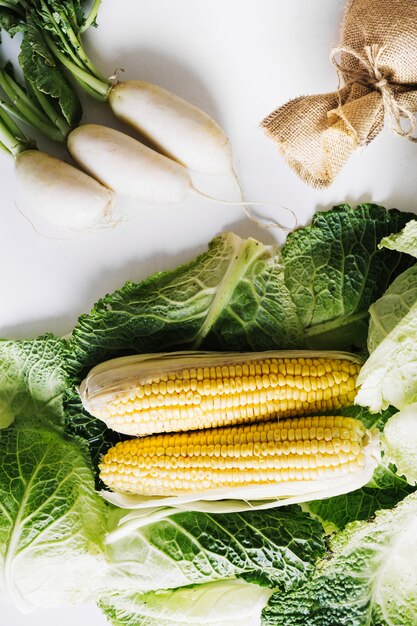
<point x="233" y="456"/>
<point x="148" y="394"/>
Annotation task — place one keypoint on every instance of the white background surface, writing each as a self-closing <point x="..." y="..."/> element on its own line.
<point x="237" y="59"/>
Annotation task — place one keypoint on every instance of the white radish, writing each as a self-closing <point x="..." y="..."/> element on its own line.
<point x="130" y="168"/>
<point x="60" y="193"/>
<point x="177" y="128"/>
<point x="127" y="166"/>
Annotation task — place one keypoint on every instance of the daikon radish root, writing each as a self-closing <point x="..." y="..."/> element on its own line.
<point x="127" y="166"/>
<point x="60" y="193"/>
<point x="177" y="128"/>
<point x="130" y="168"/>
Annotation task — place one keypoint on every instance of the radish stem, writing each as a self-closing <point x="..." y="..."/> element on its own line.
<point x="99" y="89"/>
<point x="91" y="17"/>
<point x="11" y="136"/>
<point x="50" y="111"/>
<point x="18" y="96"/>
<point x="32" y="111"/>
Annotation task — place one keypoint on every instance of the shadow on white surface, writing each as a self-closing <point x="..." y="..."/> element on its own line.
<point x="113" y="278"/>
<point x="152" y="65"/>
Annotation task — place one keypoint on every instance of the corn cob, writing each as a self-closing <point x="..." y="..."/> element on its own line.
<point x="146" y="394"/>
<point x="302" y="450"/>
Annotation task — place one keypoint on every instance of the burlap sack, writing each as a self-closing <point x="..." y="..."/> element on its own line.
<point x="377" y="65"/>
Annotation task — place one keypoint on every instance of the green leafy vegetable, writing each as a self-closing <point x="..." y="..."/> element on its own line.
<point x="225" y="603"/>
<point x="33" y="379"/>
<point x="271" y="548"/>
<point x="400" y="442"/>
<point x="165" y="311"/>
<point x="50" y="104"/>
<point x="43" y="73"/>
<point x="405" y="241"/>
<point x="62" y="23"/>
<point x="52" y="522"/>
<point x="193" y="305"/>
<point x="369" y="577"/>
<point x="394" y="305"/>
<point x="389" y="376"/>
<point x="256" y="309"/>
<point x="244" y="295"/>
<point x="334" y="271"/>
<point x="384" y="492"/>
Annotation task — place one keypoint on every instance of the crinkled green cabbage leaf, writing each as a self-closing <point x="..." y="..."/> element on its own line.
<point x="225" y="603"/>
<point x="52" y="522"/>
<point x="368" y="577"/>
<point x="389" y="376"/>
<point x="384" y="491"/>
<point x="334" y="271"/>
<point x="394" y="305"/>
<point x="244" y="295"/>
<point x="400" y="442"/>
<point x="198" y="568"/>
<point x="232" y="296"/>
<point x="404" y="241"/>
<point x="276" y="548"/>
<point x="33" y="379"/>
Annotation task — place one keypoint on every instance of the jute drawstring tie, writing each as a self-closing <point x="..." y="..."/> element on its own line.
<point x="371" y="75"/>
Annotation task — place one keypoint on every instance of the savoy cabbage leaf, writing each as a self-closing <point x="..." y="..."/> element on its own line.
<point x="276" y="548"/>
<point x="384" y="492"/>
<point x="389" y="376"/>
<point x="33" y="379"/>
<point x="198" y="568"/>
<point x="215" y="299"/>
<point x="404" y="241"/>
<point x="368" y="577"/>
<point x="222" y="603"/>
<point x="244" y="295"/>
<point x="392" y="307"/>
<point x="400" y="442"/>
<point x="334" y="271"/>
<point x="52" y="522"/>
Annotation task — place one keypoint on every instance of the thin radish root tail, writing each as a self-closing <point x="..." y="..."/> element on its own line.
<point x="238" y="186"/>
<point x="267" y="224"/>
<point x="270" y="224"/>
<point x="107" y="222"/>
<point x="262" y="223"/>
